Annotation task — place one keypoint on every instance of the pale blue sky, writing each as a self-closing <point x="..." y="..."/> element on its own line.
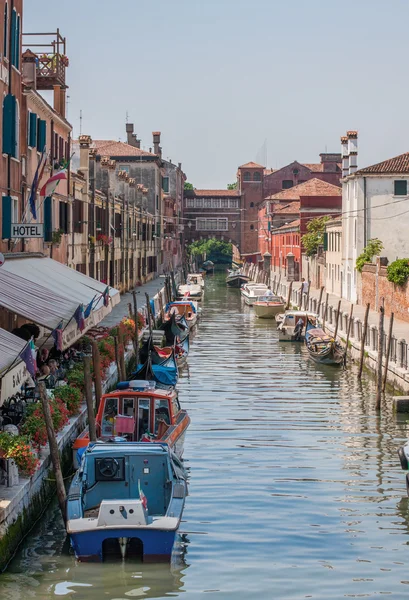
<point x="218" y="77"/>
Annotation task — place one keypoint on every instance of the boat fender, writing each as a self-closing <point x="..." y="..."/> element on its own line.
<point x="403" y="458"/>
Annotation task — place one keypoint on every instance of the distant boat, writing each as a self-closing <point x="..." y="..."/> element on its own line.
<point x="126" y="499"/>
<point x="323" y="348"/>
<point x="236" y="279"/>
<point x="208" y="266"/>
<point x="251" y="292"/>
<point x="266" y="307"/>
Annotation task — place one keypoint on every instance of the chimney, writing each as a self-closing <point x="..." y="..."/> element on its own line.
<point x="30" y="70"/>
<point x="85" y="142"/>
<point x="156" y="141"/>
<point x="345" y="156"/>
<point x="353" y="151"/>
<point x="132" y="137"/>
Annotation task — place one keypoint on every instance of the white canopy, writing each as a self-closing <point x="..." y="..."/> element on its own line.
<point x="13" y="372"/>
<point x="48" y="293"/>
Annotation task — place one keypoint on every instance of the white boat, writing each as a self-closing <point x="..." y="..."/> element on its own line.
<point x="190" y="290"/>
<point x="252" y="292"/>
<point x="287" y="324"/>
<point x="267" y="307"/>
<point x="196" y="279"/>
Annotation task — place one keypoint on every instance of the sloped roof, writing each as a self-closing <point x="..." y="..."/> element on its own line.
<point x="113" y="148"/>
<point x="313" y="187"/>
<point x="291" y="225"/>
<point x="251" y="165"/>
<point x="291" y="208"/>
<point x="216" y="193"/>
<point x="398" y="164"/>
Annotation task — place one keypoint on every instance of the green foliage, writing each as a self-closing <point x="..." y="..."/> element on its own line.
<point x="189" y="186"/>
<point x="71" y="396"/>
<point x="373" y="248"/>
<point x="214" y="250"/>
<point x="398" y="271"/>
<point x="315" y="235"/>
<point x="232" y="186"/>
<point x="75" y="377"/>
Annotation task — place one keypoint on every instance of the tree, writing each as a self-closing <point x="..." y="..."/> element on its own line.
<point x="215" y="250"/>
<point x="232" y="186"/>
<point x="373" y="248"/>
<point x="189" y="186"/>
<point x="315" y="235"/>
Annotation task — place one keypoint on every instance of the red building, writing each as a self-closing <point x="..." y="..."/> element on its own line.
<point x="283" y="217"/>
<point x="250" y="181"/>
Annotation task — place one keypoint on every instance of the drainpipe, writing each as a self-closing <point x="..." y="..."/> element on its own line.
<point x="365" y="216"/>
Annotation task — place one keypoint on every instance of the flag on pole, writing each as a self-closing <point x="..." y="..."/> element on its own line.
<point x="27" y="355"/>
<point x="50" y="186"/>
<point x="105" y="296"/>
<point x="57" y="336"/>
<point x="34" y="186"/>
<point x="88" y="309"/>
<point x="79" y="317"/>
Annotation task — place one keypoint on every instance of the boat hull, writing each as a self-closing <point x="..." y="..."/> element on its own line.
<point x="236" y="281"/>
<point x="157" y="545"/>
<point x="265" y="311"/>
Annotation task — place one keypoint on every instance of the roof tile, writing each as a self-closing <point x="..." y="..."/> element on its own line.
<point x="312" y="187"/>
<point x="251" y="165"/>
<point x="112" y="148"/>
<point x="397" y="165"/>
<point x="217" y="193"/>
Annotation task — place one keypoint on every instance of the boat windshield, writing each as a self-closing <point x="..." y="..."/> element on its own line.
<point x="161" y="413"/>
<point x="275" y="299"/>
<point x="109" y="416"/>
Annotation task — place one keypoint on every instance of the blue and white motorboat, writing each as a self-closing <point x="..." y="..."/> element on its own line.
<point x="126" y="498"/>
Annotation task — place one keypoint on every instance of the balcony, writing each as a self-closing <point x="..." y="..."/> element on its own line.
<point x="51" y="59"/>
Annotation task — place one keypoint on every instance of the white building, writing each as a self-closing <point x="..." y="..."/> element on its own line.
<point x="333" y="256"/>
<point x="375" y="204"/>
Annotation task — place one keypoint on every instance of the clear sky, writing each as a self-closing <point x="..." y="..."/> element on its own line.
<point x="229" y="81"/>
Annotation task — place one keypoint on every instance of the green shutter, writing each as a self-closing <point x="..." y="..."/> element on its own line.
<point x="41" y="134"/>
<point x="5" y="30"/>
<point x="269" y="226"/>
<point x="17" y="52"/>
<point x="48" y="219"/>
<point x="325" y="241"/>
<point x="13" y="29"/>
<point x="6" y="217"/>
<point x="401" y="187"/>
<point x="32" y="140"/>
<point x="9" y="125"/>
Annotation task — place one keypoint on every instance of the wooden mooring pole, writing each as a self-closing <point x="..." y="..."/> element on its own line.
<point x="320" y="300"/>
<point x="351" y="312"/>
<point x="388" y="352"/>
<point x="364" y="332"/>
<point x="52" y="441"/>
<point x="380" y="354"/>
<point x="337" y="319"/>
<point x="88" y="399"/>
<point x="307" y="296"/>
<point x="325" y="311"/>
<point x="96" y="363"/>
<point x="290" y="289"/>
<point x="121" y="354"/>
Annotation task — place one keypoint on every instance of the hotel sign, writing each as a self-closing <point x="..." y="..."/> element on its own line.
<point x="27" y="230"/>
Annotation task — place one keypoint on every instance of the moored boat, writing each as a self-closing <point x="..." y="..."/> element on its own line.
<point x="291" y="324"/>
<point x="251" y="292"/>
<point x="127" y="499"/>
<point x="266" y="307"/>
<point x="236" y="279"/>
<point x="191" y="291"/>
<point x="188" y="309"/>
<point x="208" y="266"/>
<point x="323" y="348"/>
<point x="138" y="408"/>
<point x="196" y="279"/>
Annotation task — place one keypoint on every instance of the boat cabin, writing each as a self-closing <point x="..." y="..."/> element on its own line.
<point x="196" y="279"/>
<point x="185" y="309"/>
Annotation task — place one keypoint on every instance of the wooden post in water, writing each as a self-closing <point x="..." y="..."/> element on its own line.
<point x="364" y="332"/>
<point x="320" y="300"/>
<point x="278" y="284"/>
<point x="136" y="341"/>
<point x="388" y="351"/>
<point x="349" y="331"/>
<point x="148" y="307"/>
<point x="337" y="320"/>
<point x="88" y="398"/>
<point x="325" y="311"/>
<point x="380" y="354"/>
<point x="121" y="353"/>
<point x="274" y="284"/>
<point x="96" y="362"/>
<point x="290" y="289"/>
<point x="300" y="302"/>
<point x="52" y="441"/>
<point x="307" y="296"/>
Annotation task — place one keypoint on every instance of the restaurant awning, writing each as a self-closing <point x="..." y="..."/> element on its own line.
<point x="48" y="293"/>
<point x="13" y="372"/>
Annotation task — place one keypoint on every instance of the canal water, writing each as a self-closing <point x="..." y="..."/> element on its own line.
<point x="295" y="487"/>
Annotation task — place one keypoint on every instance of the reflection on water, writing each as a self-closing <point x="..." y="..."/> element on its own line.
<point x="295" y="490"/>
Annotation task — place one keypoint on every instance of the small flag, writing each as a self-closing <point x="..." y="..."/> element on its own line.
<point x="28" y="356"/>
<point x="50" y="186"/>
<point x="57" y="336"/>
<point x="79" y="317"/>
<point x="105" y="296"/>
<point x="142" y="496"/>
<point x="34" y="186"/>
<point x="88" y="309"/>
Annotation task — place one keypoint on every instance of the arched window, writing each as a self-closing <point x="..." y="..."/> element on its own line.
<point x="251" y="226"/>
<point x="257" y="176"/>
<point x="6" y="31"/>
<point x="251" y="204"/>
<point x="247" y="176"/>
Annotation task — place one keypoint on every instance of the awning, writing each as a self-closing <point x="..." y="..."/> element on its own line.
<point x="48" y="293"/>
<point x="13" y="372"/>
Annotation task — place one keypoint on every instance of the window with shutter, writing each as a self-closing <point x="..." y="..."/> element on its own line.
<point x="61" y="149"/>
<point x="400" y="187"/>
<point x="118" y="224"/>
<point x="41" y="134"/>
<point x="64" y="217"/>
<point x="9" y="124"/>
<point x="6" y="31"/>
<point x="6" y="210"/>
<point x="78" y="210"/>
<point x="13" y="28"/>
<point x="55" y="156"/>
<point x="165" y="184"/>
<point x="17" y="44"/>
<point x="32" y="130"/>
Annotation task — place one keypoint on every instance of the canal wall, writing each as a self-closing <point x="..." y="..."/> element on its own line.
<point x="22" y="505"/>
<point x="398" y="371"/>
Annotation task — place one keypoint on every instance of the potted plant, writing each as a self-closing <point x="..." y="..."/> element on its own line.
<point x="56" y="236"/>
